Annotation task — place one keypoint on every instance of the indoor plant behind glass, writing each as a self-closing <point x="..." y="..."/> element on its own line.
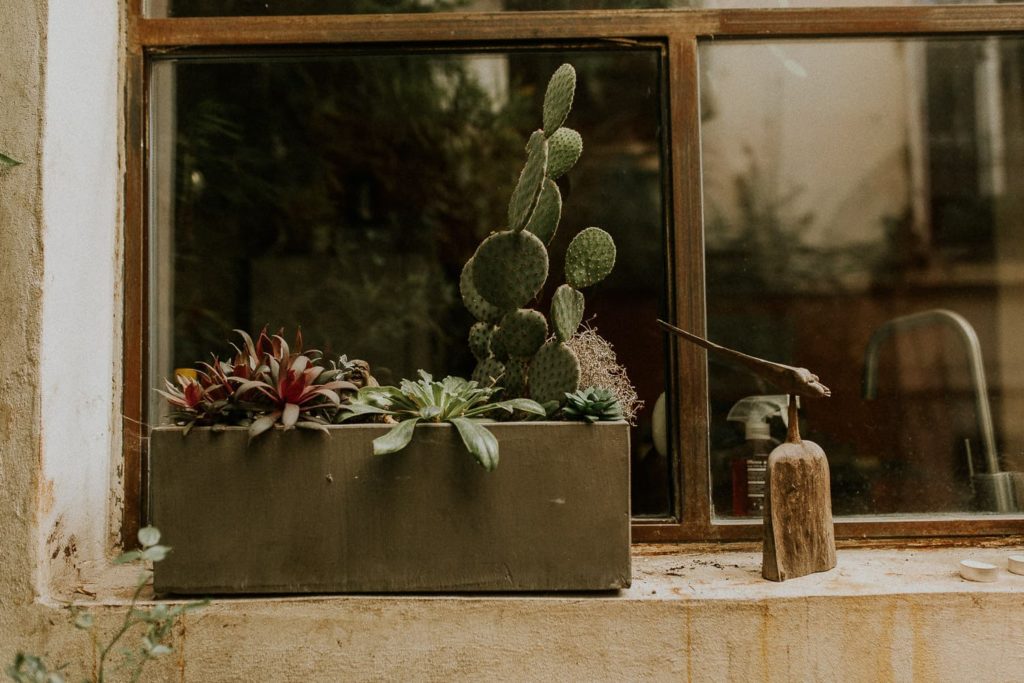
<point x="373" y="507"/>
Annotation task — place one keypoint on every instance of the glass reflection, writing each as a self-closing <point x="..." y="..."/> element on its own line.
<point x="849" y="184"/>
<point x="344" y="193"/>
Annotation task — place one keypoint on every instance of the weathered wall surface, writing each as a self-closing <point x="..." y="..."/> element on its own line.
<point x="667" y="637"/>
<point x="22" y="47"/>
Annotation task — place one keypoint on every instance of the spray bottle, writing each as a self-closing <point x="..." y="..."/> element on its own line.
<point x="749" y="471"/>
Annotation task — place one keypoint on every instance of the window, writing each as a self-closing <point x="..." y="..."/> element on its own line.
<point x="756" y="195"/>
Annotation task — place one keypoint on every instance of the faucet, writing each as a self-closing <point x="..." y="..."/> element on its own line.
<point x="970" y="339"/>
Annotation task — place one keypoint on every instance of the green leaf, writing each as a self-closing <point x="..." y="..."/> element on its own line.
<point x="479" y="441"/>
<point x="309" y="424"/>
<point x="84" y="621"/>
<point x="8" y="161"/>
<point x="149" y="535"/>
<point x="159" y="613"/>
<point x="155" y="553"/>
<point x="396" y="439"/>
<point x="430" y="412"/>
<point x="524" y="404"/>
<point x="127" y="557"/>
<point x="158" y="650"/>
<point x="358" y="409"/>
<point x="262" y="424"/>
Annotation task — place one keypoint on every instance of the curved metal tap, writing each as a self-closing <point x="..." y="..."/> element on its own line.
<point x="970" y="339"/>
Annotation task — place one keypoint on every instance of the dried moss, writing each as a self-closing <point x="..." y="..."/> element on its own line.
<point x="599" y="367"/>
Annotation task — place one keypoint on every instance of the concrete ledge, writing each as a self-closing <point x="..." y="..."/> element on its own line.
<point x="691" y="614"/>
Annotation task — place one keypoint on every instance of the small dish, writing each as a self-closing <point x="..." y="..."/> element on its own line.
<point x="973" y="570"/>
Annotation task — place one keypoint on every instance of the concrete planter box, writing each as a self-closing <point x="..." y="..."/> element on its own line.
<point x="301" y="512"/>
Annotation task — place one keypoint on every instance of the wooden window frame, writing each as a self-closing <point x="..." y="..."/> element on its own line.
<point x="679" y="31"/>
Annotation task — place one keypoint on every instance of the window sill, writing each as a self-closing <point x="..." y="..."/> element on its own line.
<point x="694" y="613"/>
<point x="678" y="572"/>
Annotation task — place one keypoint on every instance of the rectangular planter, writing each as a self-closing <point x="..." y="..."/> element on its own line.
<point x="303" y="512"/>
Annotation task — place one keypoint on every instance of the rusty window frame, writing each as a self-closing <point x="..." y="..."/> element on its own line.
<point x="679" y="31"/>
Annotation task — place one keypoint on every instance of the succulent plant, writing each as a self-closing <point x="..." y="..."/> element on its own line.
<point x="593" y="405"/>
<point x="463" y="403"/>
<point x="511" y="266"/>
<point x="267" y="382"/>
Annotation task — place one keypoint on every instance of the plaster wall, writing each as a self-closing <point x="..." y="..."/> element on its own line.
<point x="697" y="614"/>
<point x="80" y="173"/>
<point x="22" y="49"/>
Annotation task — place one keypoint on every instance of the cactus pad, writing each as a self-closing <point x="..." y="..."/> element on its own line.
<point x="516" y="370"/>
<point x="544" y="221"/>
<point x="558" y="98"/>
<point x="531" y="181"/>
<point x="554" y="372"/>
<point x="480" y="340"/>
<point x="589" y="258"/>
<point x="498" y="350"/>
<point x="564" y="150"/>
<point x="488" y="372"/>
<point x="480" y="308"/>
<point x="566" y="312"/>
<point x="523" y="331"/>
<point x="509" y="268"/>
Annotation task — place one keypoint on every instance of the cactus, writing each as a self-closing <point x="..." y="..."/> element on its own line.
<point x="544" y="221"/>
<point x="531" y="181"/>
<point x="515" y="381"/>
<point x="589" y="258"/>
<point x="498" y="350"/>
<point x="480" y="340"/>
<point x="488" y="372"/>
<point x="564" y="150"/>
<point x="554" y="372"/>
<point x="481" y="309"/>
<point x="522" y="332"/>
<point x="566" y="311"/>
<point x="558" y="98"/>
<point x="510" y="268"/>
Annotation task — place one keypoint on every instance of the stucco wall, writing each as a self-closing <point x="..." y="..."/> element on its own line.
<point x="22" y="46"/>
<point x="692" y="614"/>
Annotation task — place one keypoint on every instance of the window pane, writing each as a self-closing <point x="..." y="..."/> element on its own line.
<point x="213" y="8"/>
<point x="345" y="192"/>
<point x="871" y="187"/>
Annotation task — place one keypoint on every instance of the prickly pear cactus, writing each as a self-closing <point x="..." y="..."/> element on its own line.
<point x="566" y="312"/>
<point x="589" y="258"/>
<point x="480" y="340"/>
<point x="554" y="372"/>
<point x="488" y="372"/>
<point x="522" y="332"/>
<point x="510" y="268"/>
<point x="545" y="218"/>
<point x="481" y="309"/>
<point x="558" y="98"/>
<point x="564" y="150"/>
<point x="531" y="181"/>
<point x="516" y="370"/>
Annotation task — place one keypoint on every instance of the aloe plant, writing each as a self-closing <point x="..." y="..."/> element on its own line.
<point x="465" y="404"/>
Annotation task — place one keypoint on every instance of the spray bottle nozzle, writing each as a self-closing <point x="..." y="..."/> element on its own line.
<point x="755" y="412"/>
